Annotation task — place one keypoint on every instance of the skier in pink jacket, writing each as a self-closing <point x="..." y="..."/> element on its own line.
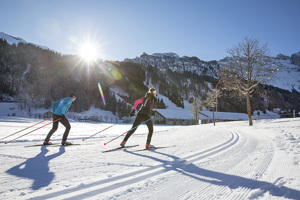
<point x="144" y="114"/>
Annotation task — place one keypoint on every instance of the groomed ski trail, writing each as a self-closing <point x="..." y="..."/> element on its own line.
<point x="134" y="177"/>
<point x="229" y="161"/>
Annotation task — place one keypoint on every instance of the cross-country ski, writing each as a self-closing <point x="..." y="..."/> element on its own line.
<point x="53" y="145"/>
<point x="153" y="148"/>
<point x="119" y="148"/>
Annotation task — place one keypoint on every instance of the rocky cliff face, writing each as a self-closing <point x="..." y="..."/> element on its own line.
<point x="173" y="62"/>
<point x="287" y="78"/>
<point x="295" y="59"/>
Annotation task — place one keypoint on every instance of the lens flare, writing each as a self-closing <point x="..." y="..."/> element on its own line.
<point x="101" y="92"/>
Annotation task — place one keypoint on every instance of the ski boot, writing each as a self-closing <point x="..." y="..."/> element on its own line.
<point x="149" y="146"/>
<point x="123" y="143"/>
<point x="65" y="143"/>
<point x="47" y="143"/>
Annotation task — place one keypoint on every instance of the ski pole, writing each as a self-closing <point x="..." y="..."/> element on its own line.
<point x="32" y="131"/>
<point x="105" y="129"/>
<point x="125" y="132"/>
<point x="24" y="129"/>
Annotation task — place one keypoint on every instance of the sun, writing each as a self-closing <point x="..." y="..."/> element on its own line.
<point x="89" y="51"/>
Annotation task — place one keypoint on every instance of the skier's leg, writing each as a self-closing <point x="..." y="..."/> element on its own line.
<point x="66" y="123"/>
<point x="150" y="128"/>
<point x="54" y="128"/>
<point x="137" y="122"/>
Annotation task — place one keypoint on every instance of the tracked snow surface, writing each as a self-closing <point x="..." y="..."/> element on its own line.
<point x="228" y="161"/>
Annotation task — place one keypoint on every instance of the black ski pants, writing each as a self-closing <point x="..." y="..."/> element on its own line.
<point x="64" y="122"/>
<point x="140" y="118"/>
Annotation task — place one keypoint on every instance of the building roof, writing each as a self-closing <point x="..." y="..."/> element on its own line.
<point x="175" y="114"/>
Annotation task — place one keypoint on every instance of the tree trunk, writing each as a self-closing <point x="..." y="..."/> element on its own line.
<point x="214" y="115"/>
<point x="249" y="109"/>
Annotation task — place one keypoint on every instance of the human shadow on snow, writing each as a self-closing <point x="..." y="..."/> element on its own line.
<point x="179" y="165"/>
<point x="37" y="168"/>
<point x="217" y="178"/>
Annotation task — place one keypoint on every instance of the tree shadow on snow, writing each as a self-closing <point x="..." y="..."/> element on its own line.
<point x="37" y="168"/>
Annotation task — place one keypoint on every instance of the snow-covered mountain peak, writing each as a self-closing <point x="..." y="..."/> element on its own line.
<point x="282" y="57"/>
<point x="287" y="78"/>
<point x="295" y="59"/>
<point x="176" y="63"/>
<point x="165" y="55"/>
<point x="16" y="40"/>
<point x="11" y="39"/>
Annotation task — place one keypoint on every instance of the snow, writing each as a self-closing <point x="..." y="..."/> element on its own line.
<point x="228" y="161"/>
<point x="287" y="77"/>
<point x="11" y="39"/>
<point x="12" y="109"/>
<point x="16" y="40"/>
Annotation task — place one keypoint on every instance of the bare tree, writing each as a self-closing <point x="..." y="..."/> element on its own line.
<point x="249" y="66"/>
<point x="212" y="101"/>
<point x="196" y="108"/>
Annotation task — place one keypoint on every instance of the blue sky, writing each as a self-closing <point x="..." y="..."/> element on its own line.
<point x="127" y="28"/>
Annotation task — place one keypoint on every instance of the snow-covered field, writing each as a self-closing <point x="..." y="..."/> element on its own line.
<point x="227" y="161"/>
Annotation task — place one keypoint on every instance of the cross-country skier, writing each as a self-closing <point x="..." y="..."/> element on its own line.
<point x="144" y="113"/>
<point x="59" y="109"/>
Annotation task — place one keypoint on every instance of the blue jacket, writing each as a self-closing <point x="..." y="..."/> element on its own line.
<point x="60" y="107"/>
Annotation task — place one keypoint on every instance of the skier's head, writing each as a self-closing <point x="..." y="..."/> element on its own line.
<point x="73" y="96"/>
<point x="150" y="94"/>
<point x="152" y="91"/>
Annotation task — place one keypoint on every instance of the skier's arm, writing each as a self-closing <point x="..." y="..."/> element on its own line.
<point x="154" y="102"/>
<point x="54" y="105"/>
<point x="136" y="103"/>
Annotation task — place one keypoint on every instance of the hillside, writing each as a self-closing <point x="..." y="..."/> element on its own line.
<point x="35" y="76"/>
<point x="229" y="161"/>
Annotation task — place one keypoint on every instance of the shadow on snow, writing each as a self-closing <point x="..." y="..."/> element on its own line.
<point x="37" y="168"/>
<point x="182" y="166"/>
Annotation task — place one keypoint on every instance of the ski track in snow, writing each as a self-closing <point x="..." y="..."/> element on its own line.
<point x="233" y="167"/>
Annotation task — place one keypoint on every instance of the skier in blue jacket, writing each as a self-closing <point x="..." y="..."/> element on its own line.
<point x="59" y="109"/>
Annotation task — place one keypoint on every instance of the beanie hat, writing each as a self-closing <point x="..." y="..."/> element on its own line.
<point x="73" y="95"/>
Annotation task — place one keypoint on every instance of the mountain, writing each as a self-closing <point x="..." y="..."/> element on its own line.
<point x="295" y="59"/>
<point x="35" y="77"/>
<point x="175" y="63"/>
<point x="11" y="39"/>
<point x="289" y="72"/>
<point x="287" y="78"/>
<point x="16" y="40"/>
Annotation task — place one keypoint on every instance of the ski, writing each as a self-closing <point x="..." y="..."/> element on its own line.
<point x="39" y="145"/>
<point x="54" y="145"/>
<point x="65" y="145"/>
<point x="119" y="148"/>
<point x="153" y="148"/>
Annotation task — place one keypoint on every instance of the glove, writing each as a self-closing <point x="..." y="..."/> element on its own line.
<point x="132" y="113"/>
<point x="153" y="112"/>
<point x="49" y="113"/>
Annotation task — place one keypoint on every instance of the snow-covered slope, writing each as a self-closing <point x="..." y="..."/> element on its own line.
<point x="11" y="39"/>
<point x="287" y="78"/>
<point x="16" y="40"/>
<point x="228" y="161"/>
